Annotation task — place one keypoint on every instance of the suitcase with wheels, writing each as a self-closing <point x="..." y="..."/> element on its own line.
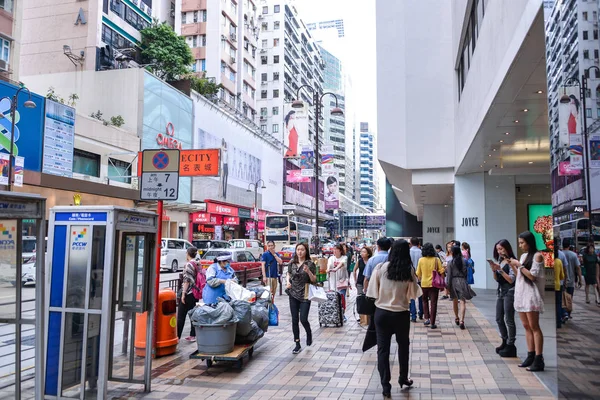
<point x="330" y="311"/>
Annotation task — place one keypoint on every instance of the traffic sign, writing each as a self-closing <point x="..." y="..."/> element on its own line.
<point x="160" y="160"/>
<point x="159" y="186"/>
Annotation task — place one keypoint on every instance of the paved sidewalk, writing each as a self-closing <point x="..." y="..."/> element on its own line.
<point x="446" y="363"/>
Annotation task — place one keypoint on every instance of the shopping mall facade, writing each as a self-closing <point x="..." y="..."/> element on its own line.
<point x="463" y="121"/>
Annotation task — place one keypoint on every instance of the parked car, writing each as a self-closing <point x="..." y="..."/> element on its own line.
<point x="204" y="245"/>
<point x="240" y="259"/>
<point x="286" y="253"/>
<point x="253" y="246"/>
<point x="173" y="254"/>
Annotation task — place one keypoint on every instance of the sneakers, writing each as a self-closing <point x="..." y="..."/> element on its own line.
<point x="428" y="322"/>
<point x="297" y="348"/>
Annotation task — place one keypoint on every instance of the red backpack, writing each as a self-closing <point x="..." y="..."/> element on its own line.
<point x="200" y="281"/>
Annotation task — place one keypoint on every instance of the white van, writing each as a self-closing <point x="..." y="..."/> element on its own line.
<point x="253" y="246"/>
<point x="173" y="254"/>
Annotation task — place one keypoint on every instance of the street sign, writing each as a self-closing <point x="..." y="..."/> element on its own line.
<point x="159" y="186"/>
<point x="160" y="160"/>
<point x="198" y="162"/>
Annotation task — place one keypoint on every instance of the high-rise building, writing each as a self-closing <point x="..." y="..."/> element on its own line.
<point x="223" y="37"/>
<point x="288" y="59"/>
<point x="336" y="24"/>
<point x="10" y="39"/>
<point x="368" y="181"/>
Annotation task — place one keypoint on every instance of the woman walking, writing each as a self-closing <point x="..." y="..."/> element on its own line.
<point x="301" y="272"/>
<point x="590" y="263"/>
<point x="505" y="307"/>
<point x="359" y="278"/>
<point x="428" y="263"/>
<point x="529" y="288"/>
<point x="188" y="301"/>
<point x="338" y="274"/>
<point x="392" y="285"/>
<point x="458" y="287"/>
<point x="447" y="259"/>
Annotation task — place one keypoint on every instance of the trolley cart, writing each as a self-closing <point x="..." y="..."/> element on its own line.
<point x="236" y="355"/>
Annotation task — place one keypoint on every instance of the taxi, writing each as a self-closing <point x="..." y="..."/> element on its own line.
<point x="241" y="260"/>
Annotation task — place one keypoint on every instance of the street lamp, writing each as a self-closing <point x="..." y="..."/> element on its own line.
<point x="13" y="110"/>
<point x="336" y="111"/>
<point x="256" y="203"/>
<point x="586" y="162"/>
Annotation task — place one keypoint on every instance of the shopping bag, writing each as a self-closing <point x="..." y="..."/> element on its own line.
<point x="273" y="315"/>
<point x="238" y="292"/>
<point x="438" y="280"/>
<point x="567" y="301"/>
<point x="365" y="305"/>
<point x="316" y="294"/>
<point x="370" y="337"/>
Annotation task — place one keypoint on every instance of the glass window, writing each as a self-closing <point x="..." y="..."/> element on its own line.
<point x="263" y="60"/>
<point x="275" y="128"/>
<point x="183" y="15"/>
<point x="195" y="16"/>
<point x="276" y="8"/>
<point x="119" y="171"/>
<point x="276" y="93"/>
<point x="263" y="77"/>
<point x="275" y="110"/>
<point x="194" y="41"/>
<point x="276" y="25"/>
<point x="264" y="26"/>
<point x="264" y="43"/>
<point x="585" y="35"/>
<point x="263" y="128"/>
<point x="203" y="65"/>
<point x="586" y="54"/>
<point x="86" y="163"/>
<point x="6" y="5"/>
<point x="263" y="111"/>
<point x="584" y="15"/>
<point x="202" y="15"/>
<point x="265" y="10"/>
<point x="275" y="42"/>
<point x="263" y="94"/>
<point x="275" y="76"/>
<point x="588" y="112"/>
<point x="5" y="50"/>
<point x="595" y="34"/>
<point x="276" y="59"/>
<point x="97" y="273"/>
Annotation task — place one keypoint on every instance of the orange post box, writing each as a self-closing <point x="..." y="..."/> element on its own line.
<point x="166" y="326"/>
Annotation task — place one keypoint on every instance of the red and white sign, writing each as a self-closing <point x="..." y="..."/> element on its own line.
<point x="261" y="215"/>
<point x="167" y="139"/>
<point x="231" y="221"/>
<point x="220" y="209"/>
<point x="206" y="218"/>
<point x="206" y="229"/>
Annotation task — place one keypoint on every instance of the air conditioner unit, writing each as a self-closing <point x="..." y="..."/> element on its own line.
<point x="263" y="117"/>
<point x="233" y="60"/>
<point x="233" y="38"/>
<point x="223" y="37"/>
<point x="263" y="51"/>
<point x="3" y="65"/>
<point x="260" y="17"/>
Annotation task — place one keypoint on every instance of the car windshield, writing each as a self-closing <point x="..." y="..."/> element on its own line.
<point x="200" y="245"/>
<point x="211" y="255"/>
<point x="29" y="245"/>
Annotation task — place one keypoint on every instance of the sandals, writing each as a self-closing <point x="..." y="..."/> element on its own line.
<point x="462" y="325"/>
<point x="457" y="321"/>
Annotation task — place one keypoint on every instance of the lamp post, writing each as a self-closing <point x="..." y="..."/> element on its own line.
<point x="14" y="102"/>
<point x="317" y="98"/>
<point x="256" y="203"/>
<point x="586" y="162"/>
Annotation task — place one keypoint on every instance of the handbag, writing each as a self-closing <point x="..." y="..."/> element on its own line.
<point x="316" y="294"/>
<point x="365" y="305"/>
<point x="567" y="301"/>
<point x="437" y="281"/>
<point x="273" y="315"/>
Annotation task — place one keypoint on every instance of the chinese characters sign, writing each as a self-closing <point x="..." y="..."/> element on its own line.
<point x="194" y="162"/>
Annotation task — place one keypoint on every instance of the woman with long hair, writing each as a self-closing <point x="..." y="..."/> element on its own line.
<point x="337" y="271"/>
<point x="392" y="285"/>
<point x="590" y="264"/>
<point x="365" y="254"/>
<point x="428" y="263"/>
<point x="505" y="302"/>
<point x="457" y="286"/>
<point x="292" y="138"/>
<point x="447" y="259"/>
<point x="529" y="303"/>
<point x="301" y="272"/>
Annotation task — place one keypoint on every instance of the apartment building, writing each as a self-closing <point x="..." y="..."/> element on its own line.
<point x="10" y="39"/>
<point x="368" y="182"/>
<point x="288" y="59"/>
<point x="223" y="37"/>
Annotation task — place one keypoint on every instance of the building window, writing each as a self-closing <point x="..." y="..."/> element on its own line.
<point x="203" y="65"/>
<point x="275" y="128"/>
<point x="598" y="112"/>
<point x="194" y="41"/>
<point x="275" y="59"/>
<point x="469" y="42"/>
<point x="7" y="5"/>
<point x="195" y="16"/>
<point x="114" y="39"/>
<point x="275" y="42"/>
<point x="276" y="93"/>
<point x="263" y="111"/>
<point x="585" y="35"/>
<point x="263" y="94"/>
<point x="263" y="77"/>
<point x="275" y="110"/>
<point x="265" y="10"/>
<point x="231" y="75"/>
<point x="86" y="163"/>
<point x="265" y="43"/>
<point x="263" y="60"/>
<point x="183" y="15"/>
<point x="119" y="171"/>
<point x="264" y="26"/>
<point x="263" y="128"/>
<point x="588" y="112"/>
<point x="595" y="34"/>
<point x="584" y="15"/>
<point x="276" y="25"/>
<point x="586" y="54"/>
<point x="275" y="76"/>
<point x="5" y="55"/>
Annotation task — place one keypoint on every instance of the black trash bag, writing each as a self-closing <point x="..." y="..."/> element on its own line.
<point x="255" y="334"/>
<point x="217" y="314"/>
<point x="243" y="312"/>
<point x="260" y="315"/>
<point x="263" y="302"/>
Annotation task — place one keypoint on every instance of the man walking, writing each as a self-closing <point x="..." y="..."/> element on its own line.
<point x="270" y="271"/>
<point x="572" y="270"/>
<point x="415" y="256"/>
<point x="383" y="246"/>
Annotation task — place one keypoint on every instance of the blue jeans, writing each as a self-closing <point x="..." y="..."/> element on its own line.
<point x="413" y="308"/>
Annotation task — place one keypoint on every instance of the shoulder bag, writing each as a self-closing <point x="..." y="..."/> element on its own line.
<point x="437" y="280"/>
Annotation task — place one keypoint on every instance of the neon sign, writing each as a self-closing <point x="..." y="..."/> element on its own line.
<point x="167" y="140"/>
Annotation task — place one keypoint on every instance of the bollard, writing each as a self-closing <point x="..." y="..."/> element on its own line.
<point x="166" y="326"/>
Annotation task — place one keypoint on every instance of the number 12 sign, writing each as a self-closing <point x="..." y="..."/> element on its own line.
<point x="159" y="186"/>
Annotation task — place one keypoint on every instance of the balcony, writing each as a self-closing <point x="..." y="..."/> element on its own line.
<point x="232" y="62"/>
<point x="193" y="5"/>
<point x="227" y="84"/>
<point x="196" y="28"/>
<point x="199" y="53"/>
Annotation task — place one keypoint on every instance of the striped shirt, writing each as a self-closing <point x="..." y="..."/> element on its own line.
<point x="189" y="274"/>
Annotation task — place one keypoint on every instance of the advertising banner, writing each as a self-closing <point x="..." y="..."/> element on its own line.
<point x="569" y="116"/>
<point x="564" y="169"/>
<point x="18" y="171"/>
<point x="307" y="161"/>
<point x="332" y="193"/>
<point x="595" y="151"/>
<point x="296" y="176"/>
<point x="4" y="160"/>
<point x="59" y="139"/>
<point x="295" y="129"/>
<point x="231" y="221"/>
<point x="327" y="159"/>
<point x="213" y="208"/>
<point x="576" y="151"/>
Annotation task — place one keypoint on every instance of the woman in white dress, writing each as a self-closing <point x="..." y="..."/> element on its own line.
<point x="529" y="303"/>
<point x="337" y="271"/>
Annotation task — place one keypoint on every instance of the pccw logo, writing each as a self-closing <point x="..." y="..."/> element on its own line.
<point x="7" y="241"/>
<point x="78" y="242"/>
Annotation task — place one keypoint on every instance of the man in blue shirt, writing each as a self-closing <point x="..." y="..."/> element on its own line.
<point x="383" y="247"/>
<point x="270" y="271"/>
<point x="415" y="255"/>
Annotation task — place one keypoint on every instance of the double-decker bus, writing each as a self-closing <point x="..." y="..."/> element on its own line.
<point x="285" y="232"/>
<point x="577" y="231"/>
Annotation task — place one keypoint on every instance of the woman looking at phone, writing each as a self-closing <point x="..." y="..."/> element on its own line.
<point x="505" y="307"/>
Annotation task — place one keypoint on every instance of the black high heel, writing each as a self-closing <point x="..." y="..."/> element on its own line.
<point x="405" y="382"/>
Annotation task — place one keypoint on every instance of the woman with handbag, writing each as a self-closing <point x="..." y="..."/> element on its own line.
<point x="458" y="287"/>
<point x="430" y="272"/>
<point x="301" y="272"/>
<point x="338" y="274"/>
<point x="392" y="285"/>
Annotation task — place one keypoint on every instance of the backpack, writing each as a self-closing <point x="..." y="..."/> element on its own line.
<point x="199" y="282"/>
<point x="470" y="271"/>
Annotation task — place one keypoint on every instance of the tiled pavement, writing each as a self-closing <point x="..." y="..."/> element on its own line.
<point x="446" y="363"/>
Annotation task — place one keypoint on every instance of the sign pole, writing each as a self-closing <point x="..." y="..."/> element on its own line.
<point x="159" y="211"/>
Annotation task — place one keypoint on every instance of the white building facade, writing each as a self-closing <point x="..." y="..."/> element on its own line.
<point x="366" y="173"/>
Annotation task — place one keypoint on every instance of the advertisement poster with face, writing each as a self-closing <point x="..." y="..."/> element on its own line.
<point x="595" y="151"/>
<point x="569" y="129"/>
<point x="332" y="193"/>
<point x="295" y="130"/>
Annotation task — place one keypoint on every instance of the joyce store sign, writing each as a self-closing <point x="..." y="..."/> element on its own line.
<point x="470" y="222"/>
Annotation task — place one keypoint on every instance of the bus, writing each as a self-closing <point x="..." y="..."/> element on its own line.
<point x="280" y="230"/>
<point x="578" y="232"/>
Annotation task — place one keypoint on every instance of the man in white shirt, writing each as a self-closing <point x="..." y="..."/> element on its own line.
<point x="415" y="256"/>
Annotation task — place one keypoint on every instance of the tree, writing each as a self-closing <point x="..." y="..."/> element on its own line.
<point x="206" y="87"/>
<point x="167" y="52"/>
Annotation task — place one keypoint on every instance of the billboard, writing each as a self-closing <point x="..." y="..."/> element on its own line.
<point x="332" y="179"/>
<point x="569" y="128"/>
<point x="244" y="157"/>
<point x="59" y="139"/>
<point x="295" y="129"/>
<point x="28" y="126"/>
